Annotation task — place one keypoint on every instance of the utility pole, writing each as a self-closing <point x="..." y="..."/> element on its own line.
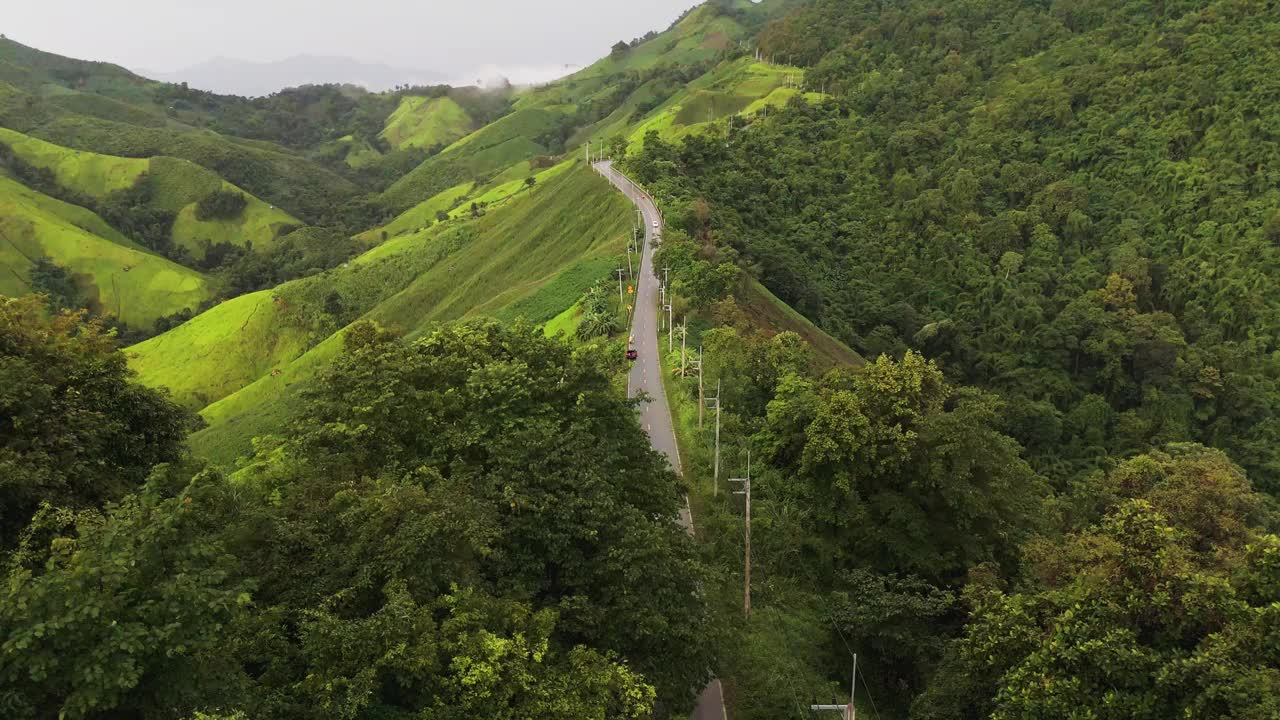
<point x="849" y="712"/>
<point x="630" y="249"/>
<point x="621" y="301"/>
<point x="715" y="475"/>
<point x="671" y="329"/>
<point x="746" y="568"/>
<point x="684" y="341"/>
<point x="701" y="401"/>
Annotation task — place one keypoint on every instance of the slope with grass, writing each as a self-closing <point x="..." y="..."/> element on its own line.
<point x="742" y="86"/>
<point x="420" y="216"/>
<point x="427" y="123"/>
<point x="505" y="142"/>
<point x="234" y="344"/>
<point x="282" y="177"/>
<point x="178" y="185"/>
<point x="770" y="314"/>
<point x="531" y="258"/>
<point x="44" y="73"/>
<point x="114" y="275"/>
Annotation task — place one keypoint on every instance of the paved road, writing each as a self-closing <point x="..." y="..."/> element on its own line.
<point x="646" y="376"/>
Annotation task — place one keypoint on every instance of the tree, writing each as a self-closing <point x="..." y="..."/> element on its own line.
<point x="429" y="539"/>
<point x="221" y="205"/>
<point x="530" y="181"/>
<point x="619" y="50"/>
<point x="906" y="474"/>
<point x="57" y="284"/>
<point x="74" y="430"/>
<point x="1158" y="609"/>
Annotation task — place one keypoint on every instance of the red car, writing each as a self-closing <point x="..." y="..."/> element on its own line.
<point x="632" y="354"/>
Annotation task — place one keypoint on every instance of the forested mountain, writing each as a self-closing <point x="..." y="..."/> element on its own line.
<point x="322" y="410"/>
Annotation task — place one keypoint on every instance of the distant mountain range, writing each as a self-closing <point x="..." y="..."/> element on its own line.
<point x="241" y="77"/>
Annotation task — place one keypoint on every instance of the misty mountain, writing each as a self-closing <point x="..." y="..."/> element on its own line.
<point x="241" y="77"/>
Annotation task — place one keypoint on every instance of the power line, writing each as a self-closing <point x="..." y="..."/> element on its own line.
<point x="800" y="709"/>
<point x="867" y="688"/>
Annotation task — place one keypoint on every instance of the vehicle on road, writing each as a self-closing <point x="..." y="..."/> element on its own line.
<point x="632" y="354"/>
<point x="655" y="224"/>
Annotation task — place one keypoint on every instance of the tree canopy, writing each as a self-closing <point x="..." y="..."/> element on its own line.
<point x="433" y="539"/>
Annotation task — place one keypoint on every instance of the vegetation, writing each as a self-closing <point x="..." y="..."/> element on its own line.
<point x="220" y="205"/>
<point x="984" y="290"/>
<point x="533" y="259"/>
<point x="426" y="123"/>
<point x="75" y="433"/>
<point x="369" y="565"/>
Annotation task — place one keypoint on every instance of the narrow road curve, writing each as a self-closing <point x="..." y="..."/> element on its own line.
<point x="646" y="377"/>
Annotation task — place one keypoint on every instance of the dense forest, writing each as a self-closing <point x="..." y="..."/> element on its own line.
<point x="1056" y="225"/>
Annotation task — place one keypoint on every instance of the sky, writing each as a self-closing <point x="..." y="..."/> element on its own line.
<point x="449" y="37"/>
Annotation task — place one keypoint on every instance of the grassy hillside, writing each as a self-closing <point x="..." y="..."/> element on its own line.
<point x="496" y="146"/>
<point x="765" y="311"/>
<point x="532" y="257"/>
<point x="232" y="345"/>
<point x="178" y="185"/>
<point x="426" y="123"/>
<point x="283" y="178"/>
<point x="744" y="86"/>
<point x="422" y="215"/>
<point x="45" y="73"/>
<point x="114" y="275"/>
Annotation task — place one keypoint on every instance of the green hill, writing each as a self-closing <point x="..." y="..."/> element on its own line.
<point x="505" y="142"/>
<point x="232" y="345"/>
<point x="531" y="257"/>
<point x="44" y="73"/>
<point x="111" y="273"/>
<point x="178" y="186"/>
<point x="426" y="123"/>
<point x="282" y="177"/>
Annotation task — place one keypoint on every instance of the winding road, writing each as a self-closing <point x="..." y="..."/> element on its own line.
<point x="646" y="377"/>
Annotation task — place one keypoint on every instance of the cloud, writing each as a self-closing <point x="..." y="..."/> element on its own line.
<point x="490" y="75"/>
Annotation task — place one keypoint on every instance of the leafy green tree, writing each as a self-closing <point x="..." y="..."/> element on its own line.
<point x="903" y="472"/>
<point x="1159" y="609"/>
<point x="430" y="540"/>
<point x="57" y="284"/>
<point x="221" y="205"/>
<point x="74" y="431"/>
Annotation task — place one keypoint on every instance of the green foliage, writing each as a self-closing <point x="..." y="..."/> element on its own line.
<point x="74" y="431"/>
<point x="430" y="539"/>
<point x="1132" y="616"/>
<point x="999" y="187"/>
<point x="599" y="313"/>
<point x="221" y="205"/>
<point x="56" y="284"/>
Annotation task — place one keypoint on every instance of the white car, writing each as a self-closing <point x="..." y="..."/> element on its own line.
<point x="655" y="224"/>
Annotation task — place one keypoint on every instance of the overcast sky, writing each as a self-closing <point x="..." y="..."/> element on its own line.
<point x="451" y="37"/>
